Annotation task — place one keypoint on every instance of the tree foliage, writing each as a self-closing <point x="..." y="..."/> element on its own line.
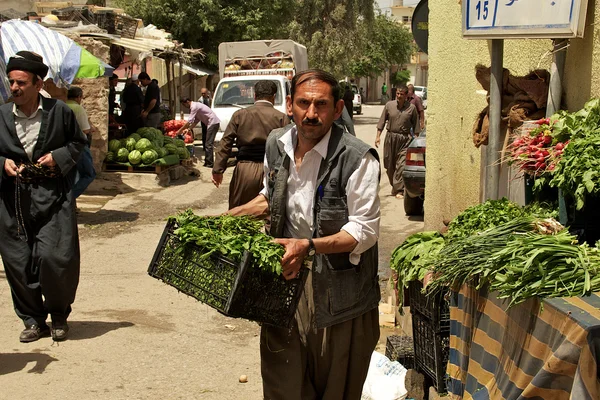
<point x="384" y="43"/>
<point x="342" y="36"/>
<point x="206" y="23"/>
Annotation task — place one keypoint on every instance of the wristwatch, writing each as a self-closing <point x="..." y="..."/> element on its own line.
<point x="311" y="248"/>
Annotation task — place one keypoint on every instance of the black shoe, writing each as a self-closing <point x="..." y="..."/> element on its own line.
<point x="60" y="331"/>
<point x="208" y="165"/>
<point x="34" y="332"/>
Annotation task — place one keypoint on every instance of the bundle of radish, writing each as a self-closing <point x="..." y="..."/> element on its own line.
<point x="536" y="151"/>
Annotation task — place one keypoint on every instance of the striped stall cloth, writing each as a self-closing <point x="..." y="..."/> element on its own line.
<point x="65" y="58"/>
<point x="534" y="351"/>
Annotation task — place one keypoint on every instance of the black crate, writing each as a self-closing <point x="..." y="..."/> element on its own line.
<point x="106" y="21"/>
<point x="432" y="306"/>
<point x="431" y="351"/>
<point x="401" y="349"/>
<point x="238" y="290"/>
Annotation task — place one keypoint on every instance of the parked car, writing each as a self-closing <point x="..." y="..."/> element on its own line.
<point x="414" y="176"/>
<point x="357" y="101"/>
<point x="421" y="91"/>
<point x="424" y="100"/>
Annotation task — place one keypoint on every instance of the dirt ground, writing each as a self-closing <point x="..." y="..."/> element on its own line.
<point x="133" y="337"/>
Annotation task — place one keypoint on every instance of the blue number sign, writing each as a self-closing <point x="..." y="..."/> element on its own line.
<point x="523" y="18"/>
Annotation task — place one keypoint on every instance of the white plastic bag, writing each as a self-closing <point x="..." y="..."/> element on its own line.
<point x="385" y="379"/>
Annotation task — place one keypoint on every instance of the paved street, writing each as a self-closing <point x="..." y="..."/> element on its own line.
<point x="133" y="337"/>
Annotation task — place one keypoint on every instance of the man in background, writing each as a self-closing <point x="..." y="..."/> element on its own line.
<point x="151" y="107"/>
<point x="348" y="99"/>
<point x="202" y="113"/>
<point x="249" y="128"/>
<point x="85" y="165"/>
<point x="402" y="122"/>
<point x="112" y="95"/>
<point x="418" y="103"/>
<point x="206" y="100"/>
<point x="133" y="99"/>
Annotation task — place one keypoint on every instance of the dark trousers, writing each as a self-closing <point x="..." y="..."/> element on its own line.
<point x="46" y="264"/>
<point x="211" y="133"/>
<point x="204" y="128"/>
<point x="394" y="159"/>
<point x="294" y="371"/>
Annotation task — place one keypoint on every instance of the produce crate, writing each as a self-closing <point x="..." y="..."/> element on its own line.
<point x="238" y="290"/>
<point x="401" y="349"/>
<point x="431" y="351"/>
<point x="125" y="26"/>
<point x="435" y="308"/>
<point x="106" y="20"/>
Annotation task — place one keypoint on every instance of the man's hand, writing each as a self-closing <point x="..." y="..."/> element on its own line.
<point x="422" y="125"/>
<point x="217" y="179"/>
<point x="295" y="253"/>
<point x="10" y="167"/>
<point x="47" y="160"/>
<point x="144" y="114"/>
<point x="378" y="139"/>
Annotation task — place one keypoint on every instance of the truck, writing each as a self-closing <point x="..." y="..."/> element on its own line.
<point x="242" y="64"/>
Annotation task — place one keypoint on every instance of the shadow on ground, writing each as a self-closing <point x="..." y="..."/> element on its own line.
<point x="81" y="330"/>
<point x="14" y="362"/>
<point x="416" y="218"/>
<point x="105" y="216"/>
<point x="366" y="121"/>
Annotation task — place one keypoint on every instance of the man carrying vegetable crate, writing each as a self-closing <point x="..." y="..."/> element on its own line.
<point x="321" y="192"/>
<point x="249" y="128"/>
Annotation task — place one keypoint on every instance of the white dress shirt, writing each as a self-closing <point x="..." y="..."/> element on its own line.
<point x="362" y="191"/>
<point x="28" y="128"/>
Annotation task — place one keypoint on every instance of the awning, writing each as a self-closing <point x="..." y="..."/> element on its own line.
<point x="197" y="70"/>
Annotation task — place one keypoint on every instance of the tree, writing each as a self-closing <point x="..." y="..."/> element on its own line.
<point x="206" y="23"/>
<point x="384" y="43"/>
<point x="329" y="31"/>
<point x="400" y="78"/>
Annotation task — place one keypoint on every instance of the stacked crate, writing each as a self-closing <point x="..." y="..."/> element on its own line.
<point x="431" y="333"/>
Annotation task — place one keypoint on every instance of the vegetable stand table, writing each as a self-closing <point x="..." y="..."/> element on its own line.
<point x="535" y="350"/>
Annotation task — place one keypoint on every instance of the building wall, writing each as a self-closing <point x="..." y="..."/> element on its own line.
<point x="454" y="100"/>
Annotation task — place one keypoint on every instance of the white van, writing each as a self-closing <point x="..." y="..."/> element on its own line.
<point x="236" y="92"/>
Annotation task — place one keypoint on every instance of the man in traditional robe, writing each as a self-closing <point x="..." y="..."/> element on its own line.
<point x="38" y="226"/>
<point x="249" y="128"/>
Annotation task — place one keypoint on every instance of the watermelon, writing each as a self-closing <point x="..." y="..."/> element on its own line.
<point x="135" y="136"/>
<point x="179" y="143"/>
<point x="123" y="142"/>
<point x="130" y="144"/>
<point x="114" y="145"/>
<point x="161" y="152"/>
<point x="154" y="153"/>
<point x="148" y="157"/>
<point x="143" y="145"/>
<point x="122" y="155"/>
<point x="183" y="153"/>
<point x="135" y="157"/>
<point x="167" y="140"/>
<point x="171" y="148"/>
<point x="110" y="156"/>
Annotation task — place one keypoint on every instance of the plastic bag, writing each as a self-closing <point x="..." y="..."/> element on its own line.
<point x="385" y="379"/>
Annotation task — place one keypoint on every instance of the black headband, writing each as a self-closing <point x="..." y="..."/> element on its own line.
<point x="29" y="62"/>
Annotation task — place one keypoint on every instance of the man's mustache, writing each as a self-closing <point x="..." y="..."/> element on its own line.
<point x="311" y="122"/>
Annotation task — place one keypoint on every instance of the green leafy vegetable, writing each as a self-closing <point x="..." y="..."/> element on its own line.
<point x="230" y="236"/>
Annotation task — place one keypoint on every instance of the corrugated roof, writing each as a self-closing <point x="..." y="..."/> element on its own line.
<point x="138" y="44"/>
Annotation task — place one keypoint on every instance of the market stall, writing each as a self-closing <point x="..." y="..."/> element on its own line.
<point x="544" y="350"/>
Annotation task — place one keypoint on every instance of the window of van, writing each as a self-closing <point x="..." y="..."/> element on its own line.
<point x="241" y="93"/>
